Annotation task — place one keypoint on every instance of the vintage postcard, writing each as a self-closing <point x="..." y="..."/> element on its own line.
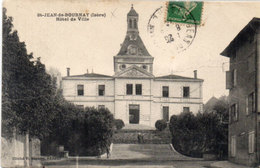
<point x="130" y="84"/>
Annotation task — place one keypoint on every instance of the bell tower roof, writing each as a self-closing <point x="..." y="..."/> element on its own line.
<point x="133" y="44"/>
<point x="132" y="12"/>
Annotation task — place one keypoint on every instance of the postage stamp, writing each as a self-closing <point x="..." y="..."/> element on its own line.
<point x="188" y="12"/>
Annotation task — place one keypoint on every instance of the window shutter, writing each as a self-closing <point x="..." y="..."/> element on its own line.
<point x="233" y="146"/>
<point x="251" y="142"/>
<point x="228" y="80"/>
<point x="253" y="102"/>
<point x="247" y="105"/>
<point x="235" y="77"/>
<point x="236" y="112"/>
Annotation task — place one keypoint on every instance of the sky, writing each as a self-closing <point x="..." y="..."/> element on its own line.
<point x="91" y="44"/>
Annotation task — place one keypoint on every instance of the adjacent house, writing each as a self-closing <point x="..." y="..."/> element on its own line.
<point x="133" y="93"/>
<point x="243" y="82"/>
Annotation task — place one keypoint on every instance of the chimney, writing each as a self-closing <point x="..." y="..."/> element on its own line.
<point x="87" y="71"/>
<point x="68" y="71"/>
<point x="195" y="74"/>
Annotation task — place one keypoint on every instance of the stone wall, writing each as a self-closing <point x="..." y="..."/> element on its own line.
<point x="13" y="152"/>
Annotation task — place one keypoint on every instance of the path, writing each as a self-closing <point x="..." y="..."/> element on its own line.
<point x="151" y="152"/>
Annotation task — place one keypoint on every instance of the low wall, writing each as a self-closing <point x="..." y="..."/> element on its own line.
<point x="13" y="152"/>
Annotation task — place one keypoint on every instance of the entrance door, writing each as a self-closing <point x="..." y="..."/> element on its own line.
<point x="166" y="113"/>
<point x="134" y="113"/>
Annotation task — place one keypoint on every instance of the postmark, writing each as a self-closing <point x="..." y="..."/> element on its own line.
<point x="173" y="35"/>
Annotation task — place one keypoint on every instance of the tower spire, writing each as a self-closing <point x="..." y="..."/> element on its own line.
<point x="132" y="20"/>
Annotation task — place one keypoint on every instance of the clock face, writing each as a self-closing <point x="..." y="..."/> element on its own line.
<point x="122" y="66"/>
<point x="132" y="50"/>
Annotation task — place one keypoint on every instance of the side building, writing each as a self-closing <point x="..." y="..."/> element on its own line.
<point x="243" y="82"/>
<point x="133" y="93"/>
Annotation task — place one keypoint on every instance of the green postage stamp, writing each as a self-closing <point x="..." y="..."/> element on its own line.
<point x="188" y="12"/>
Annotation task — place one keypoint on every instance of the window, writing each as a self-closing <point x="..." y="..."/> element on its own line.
<point x="186" y="109"/>
<point x="251" y="142"/>
<point x="166" y="113"/>
<point x="250" y="104"/>
<point x="135" y="24"/>
<point x="138" y="89"/>
<point x="234" y="112"/>
<point x="186" y="91"/>
<point x="130" y="23"/>
<point x="101" y="106"/>
<point x="233" y="146"/>
<point x="129" y="89"/>
<point x="165" y="91"/>
<point x="101" y="90"/>
<point x="80" y="89"/>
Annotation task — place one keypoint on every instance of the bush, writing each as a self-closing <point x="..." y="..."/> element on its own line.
<point x="87" y="132"/>
<point x="193" y="135"/>
<point x="119" y="124"/>
<point x="160" y="125"/>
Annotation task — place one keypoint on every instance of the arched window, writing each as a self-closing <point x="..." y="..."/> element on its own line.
<point x="135" y="24"/>
<point x="130" y="23"/>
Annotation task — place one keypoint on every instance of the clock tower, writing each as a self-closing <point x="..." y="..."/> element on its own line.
<point x="133" y="51"/>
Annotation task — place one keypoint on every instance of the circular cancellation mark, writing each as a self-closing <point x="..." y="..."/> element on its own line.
<point x="170" y="35"/>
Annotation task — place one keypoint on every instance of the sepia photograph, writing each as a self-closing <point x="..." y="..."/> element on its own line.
<point x="125" y="83"/>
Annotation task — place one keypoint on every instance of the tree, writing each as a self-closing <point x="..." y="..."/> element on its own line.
<point x="28" y="90"/>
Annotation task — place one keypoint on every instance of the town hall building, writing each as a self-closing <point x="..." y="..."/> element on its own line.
<point x="133" y="93"/>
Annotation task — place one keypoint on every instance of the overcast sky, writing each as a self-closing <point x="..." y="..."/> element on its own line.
<point x="83" y="45"/>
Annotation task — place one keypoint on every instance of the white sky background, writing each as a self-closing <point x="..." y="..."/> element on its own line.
<point x="92" y="44"/>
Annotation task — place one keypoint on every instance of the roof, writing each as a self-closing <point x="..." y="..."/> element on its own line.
<point x="132" y="12"/>
<point x="90" y="75"/>
<point x="242" y="36"/>
<point x="176" y="77"/>
<point x="138" y="43"/>
<point x="210" y="104"/>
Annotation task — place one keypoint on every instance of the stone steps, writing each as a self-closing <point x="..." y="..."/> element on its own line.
<point x="150" y="136"/>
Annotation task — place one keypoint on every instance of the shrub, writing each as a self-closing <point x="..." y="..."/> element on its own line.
<point x="119" y="124"/>
<point x="192" y="135"/>
<point x="160" y="125"/>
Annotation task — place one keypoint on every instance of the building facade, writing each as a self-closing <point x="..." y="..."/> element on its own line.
<point x="133" y="93"/>
<point x="243" y="82"/>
